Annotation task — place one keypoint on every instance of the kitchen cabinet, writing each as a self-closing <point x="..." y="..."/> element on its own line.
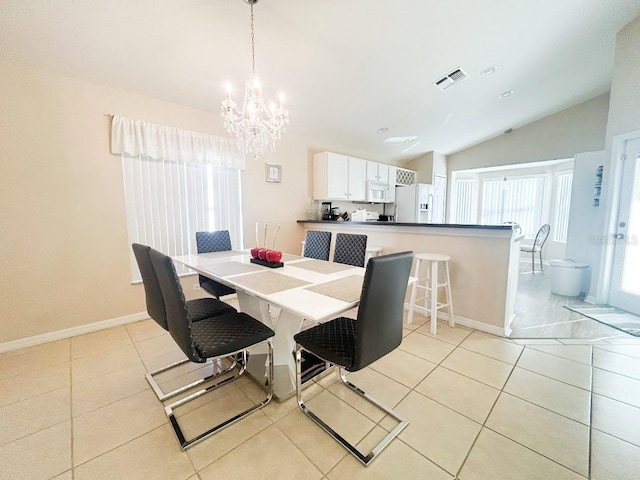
<point x="392" y="184"/>
<point x="338" y="177"/>
<point x="377" y="172"/>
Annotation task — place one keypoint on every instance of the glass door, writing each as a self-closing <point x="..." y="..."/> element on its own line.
<point x="625" y="279"/>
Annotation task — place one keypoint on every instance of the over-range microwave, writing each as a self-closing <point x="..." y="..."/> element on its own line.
<point x="378" y="192"/>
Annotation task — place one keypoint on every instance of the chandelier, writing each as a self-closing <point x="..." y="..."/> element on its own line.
<point x="256" y="126"/>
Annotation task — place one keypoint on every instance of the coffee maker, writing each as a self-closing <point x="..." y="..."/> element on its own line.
<point x="325" y="211"/>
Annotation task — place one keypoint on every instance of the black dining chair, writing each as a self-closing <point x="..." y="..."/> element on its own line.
<point x="207" y="242"/>
<point x="352" y="345"/>
<point x="198" y="309"/>
<point x="317" y="245"/>
<point x="538" y="243"/>
<point x="210" y="338"/>
<point x="350" y="249"/>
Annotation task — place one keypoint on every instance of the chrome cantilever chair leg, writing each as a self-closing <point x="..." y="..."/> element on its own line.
<point x="169" y="409"/>
<point x="162" y="396"/>
<point x="366" y="459"/>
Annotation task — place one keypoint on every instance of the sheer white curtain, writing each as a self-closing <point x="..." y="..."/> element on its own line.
<point x="169" y="199"/>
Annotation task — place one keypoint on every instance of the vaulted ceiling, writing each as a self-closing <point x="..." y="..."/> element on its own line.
<point x="347" y="67"/>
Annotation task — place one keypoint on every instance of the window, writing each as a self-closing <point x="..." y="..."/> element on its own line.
<point x="168" y="201"/>
<point x="177" y="182"/>
<point x="516" y="199"/>
<point x="463" y="206"/>
<point x="563" y="202"/>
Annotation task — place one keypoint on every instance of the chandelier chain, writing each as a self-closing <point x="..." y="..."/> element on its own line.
<point x="253" y="46"/>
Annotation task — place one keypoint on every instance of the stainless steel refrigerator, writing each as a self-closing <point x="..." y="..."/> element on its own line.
<point x="414" y="203"/>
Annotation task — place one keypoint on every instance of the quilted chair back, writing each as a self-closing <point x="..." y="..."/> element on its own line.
<point x="317" y="245"/>
<point x="152" y="292"/>
<point x="219" y="241"/>
<point x="350" y="249"/>
<point x="177" y="315"/>
<point x="380" y="314"/>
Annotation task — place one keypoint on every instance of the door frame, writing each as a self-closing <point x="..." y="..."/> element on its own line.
<point x="612" y="199"/>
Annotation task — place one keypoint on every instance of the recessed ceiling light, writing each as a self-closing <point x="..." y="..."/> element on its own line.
<point x="488" y="71"/>
<point x="506" y="94"/>
<point x="383" y="129"/>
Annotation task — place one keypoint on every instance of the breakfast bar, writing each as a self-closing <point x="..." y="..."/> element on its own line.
<point x="484" y="263"/>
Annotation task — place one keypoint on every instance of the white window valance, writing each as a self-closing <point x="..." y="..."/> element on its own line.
<point x="135" y="137"/>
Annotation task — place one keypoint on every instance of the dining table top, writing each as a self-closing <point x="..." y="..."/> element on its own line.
<point x="312" y="289"/>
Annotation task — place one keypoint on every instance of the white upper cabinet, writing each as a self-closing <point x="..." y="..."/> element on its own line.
<point x="357" y="172"/>
<point x="338" y="177"/>
<point x="377" y="172"/>
<point x="337" y="172"/>
<point x="392" y="184"/>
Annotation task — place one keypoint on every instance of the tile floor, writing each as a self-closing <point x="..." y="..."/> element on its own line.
<point x="480" y="407"/>
<point x="541" y="314"/>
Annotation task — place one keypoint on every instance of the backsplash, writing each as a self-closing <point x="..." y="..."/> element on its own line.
<point x="347" y="207"/>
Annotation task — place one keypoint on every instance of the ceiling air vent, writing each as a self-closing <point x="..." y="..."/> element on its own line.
<point x="450" y="79"/>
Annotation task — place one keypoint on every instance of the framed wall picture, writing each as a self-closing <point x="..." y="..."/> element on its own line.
<point x="273" y="173"/>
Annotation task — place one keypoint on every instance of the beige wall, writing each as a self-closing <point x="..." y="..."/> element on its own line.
<point x="624" y="117"/>
<point x="624" y="112"/>
<point x="63" y="240"/>
<point x="426" y="165"/>
<point x="562" y="135"/>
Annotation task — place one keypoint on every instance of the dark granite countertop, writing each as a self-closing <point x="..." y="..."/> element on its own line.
<point x="407" y="224"/>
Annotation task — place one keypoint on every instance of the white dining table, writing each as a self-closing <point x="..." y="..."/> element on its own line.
<point x="303" y="290"/>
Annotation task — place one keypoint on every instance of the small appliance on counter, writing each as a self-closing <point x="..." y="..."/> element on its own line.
<point x="359" y="215"/>
<point x="384" y="217"/>
<point x="325" y="211"/>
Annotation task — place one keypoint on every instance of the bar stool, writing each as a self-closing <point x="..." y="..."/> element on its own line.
<point x="430" y="285"/>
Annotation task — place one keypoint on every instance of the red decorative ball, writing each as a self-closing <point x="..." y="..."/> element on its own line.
<point x="273" y="256"/>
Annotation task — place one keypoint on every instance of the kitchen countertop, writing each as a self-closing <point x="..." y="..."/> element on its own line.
<point x="407" y="224"/>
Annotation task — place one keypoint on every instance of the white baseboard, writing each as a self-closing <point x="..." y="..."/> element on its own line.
<point x="467" y="322"/>
<point x="591" y="299"/>
<point x="71" y="332"/>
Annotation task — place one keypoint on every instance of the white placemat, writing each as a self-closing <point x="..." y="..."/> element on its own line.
<point x="269" y="282"/>
<point x="226" y="269"/>
<point x="320" y="266"/>
<point x="347" y="289"/>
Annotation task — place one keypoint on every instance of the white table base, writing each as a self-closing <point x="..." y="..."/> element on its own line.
<point x="285" y="326"/>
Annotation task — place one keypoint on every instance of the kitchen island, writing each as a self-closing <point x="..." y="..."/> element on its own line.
<point x="484" y="263"/>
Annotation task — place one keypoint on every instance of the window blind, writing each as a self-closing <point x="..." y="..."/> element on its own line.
<point x="167" y="202"/>
<point x="464" y="201"/>
<point x="563" y="202"/>
<point x="515" y="199"/>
